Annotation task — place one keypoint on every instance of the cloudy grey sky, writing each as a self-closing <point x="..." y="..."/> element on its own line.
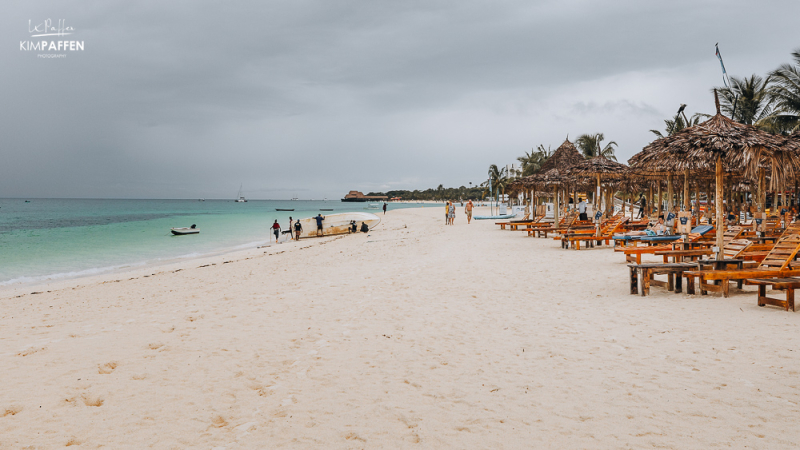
<point x="187" y="99"/>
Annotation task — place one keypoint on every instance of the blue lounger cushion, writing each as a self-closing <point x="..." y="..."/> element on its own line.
<point x="700" y="229"/>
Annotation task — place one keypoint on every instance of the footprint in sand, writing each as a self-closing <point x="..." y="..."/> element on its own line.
<point x="218" y="421"/>
<point x="31" y="350"/>
<point x="12" y="410"/>
<point x="92" y="400"/>
<point x="107" y="368"/>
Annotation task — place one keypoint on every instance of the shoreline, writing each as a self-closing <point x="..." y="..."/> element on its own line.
<point x="145" y="269"/>
<point x="66" y="279"/>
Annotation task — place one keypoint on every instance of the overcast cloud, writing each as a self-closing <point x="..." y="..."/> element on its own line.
<point x="189" y="99"/>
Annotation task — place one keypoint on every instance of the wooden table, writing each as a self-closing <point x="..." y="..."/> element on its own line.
<point x="683" y="245"/>
<point x="645" y="272"/>
<point x="679" y="256"/>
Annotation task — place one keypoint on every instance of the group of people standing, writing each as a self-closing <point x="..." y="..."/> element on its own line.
<point x="450" y="212"/>
<point x="295" y="229"/>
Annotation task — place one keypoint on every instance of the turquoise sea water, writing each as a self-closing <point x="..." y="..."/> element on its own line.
<point x="64" y="238"/>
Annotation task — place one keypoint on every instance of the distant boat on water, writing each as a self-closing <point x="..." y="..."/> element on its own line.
<point x="281" y="209"/>
<point x="185" y="230"/>
<point x="240" y="197"/>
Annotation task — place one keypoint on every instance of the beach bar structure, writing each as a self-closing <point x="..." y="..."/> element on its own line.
<point x="358" y="196"/>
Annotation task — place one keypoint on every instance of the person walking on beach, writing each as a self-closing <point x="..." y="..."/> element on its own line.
<point x="319" y="220"/>
<point x="452" y="213"/>
<point x="447" y="213"/>
<point x="582" y="210"/>
<point x="291" y="236"/>
<point x="384" y="208"/>
<point x="276" y="229"/>
<point x="468" y="211"/>
<point x="298" y="230"/>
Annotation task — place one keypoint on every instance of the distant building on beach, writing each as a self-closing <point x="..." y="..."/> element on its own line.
<point x="358" y="196"/>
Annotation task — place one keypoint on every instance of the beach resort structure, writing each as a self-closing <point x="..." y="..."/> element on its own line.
<point x="358" y="196"/>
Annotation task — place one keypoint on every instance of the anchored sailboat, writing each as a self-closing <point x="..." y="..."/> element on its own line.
<point x="240" y="197"/>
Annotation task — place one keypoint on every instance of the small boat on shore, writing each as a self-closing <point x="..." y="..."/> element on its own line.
<point x="499" y="217"/>
<point x="335" y="224"/>
<point x="185" y="230"/>
<point x="279" y="209"/>
<point x="326" y="209"/>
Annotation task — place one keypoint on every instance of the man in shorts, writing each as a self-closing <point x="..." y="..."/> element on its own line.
<point x="468" y="210"/>
<point x="276" y="230"/>
<point x="319" y="220"/>
<point x="298" y="230"/>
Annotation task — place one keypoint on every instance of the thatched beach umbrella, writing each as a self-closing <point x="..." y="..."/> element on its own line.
<point x="565" y="156"/>
<point x="598" y="167"/>
<point x="721" y="144"/>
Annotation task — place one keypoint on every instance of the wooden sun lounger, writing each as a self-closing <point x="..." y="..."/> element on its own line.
<point x="566" y="223"/>
<point x="777" y="264"/>
<point x="634" y="254"/>
<point x="590" y="238"/>
<point x="731" y="249"/>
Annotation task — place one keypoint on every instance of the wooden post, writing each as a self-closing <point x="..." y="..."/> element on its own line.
<point x="660" y="198"/>
<point x="669" y="194"/>
<point x="762" y="195"/>
<point x="630" y="196"/>
<point x="649" y="200"/>
<point x="687" y="202"/>
<point x="720" y="220"/>
<point x="597" y="199"/>
<point x="555" y="206"/>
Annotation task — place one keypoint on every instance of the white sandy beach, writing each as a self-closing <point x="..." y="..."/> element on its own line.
<point x="416" y="336"/>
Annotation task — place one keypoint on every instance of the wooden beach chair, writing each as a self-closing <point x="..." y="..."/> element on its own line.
<point x="591" y="236"/>
<point x="777" y="264"/>
<point x="566" y="223"/>
<point x="634" y="254"/>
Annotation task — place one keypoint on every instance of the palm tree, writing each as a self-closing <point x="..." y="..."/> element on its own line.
<point x="752" y="99"/>
<point x="591" y="145"/>
<point x="498" y="178"/>
<point x="785" y="93"/>
<point x="533" y="160"/>
<point x="678" y="123"/>
<point x="440" y="190"/>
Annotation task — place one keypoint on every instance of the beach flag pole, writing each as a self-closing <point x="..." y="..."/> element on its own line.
<point x="726" y="80"/>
